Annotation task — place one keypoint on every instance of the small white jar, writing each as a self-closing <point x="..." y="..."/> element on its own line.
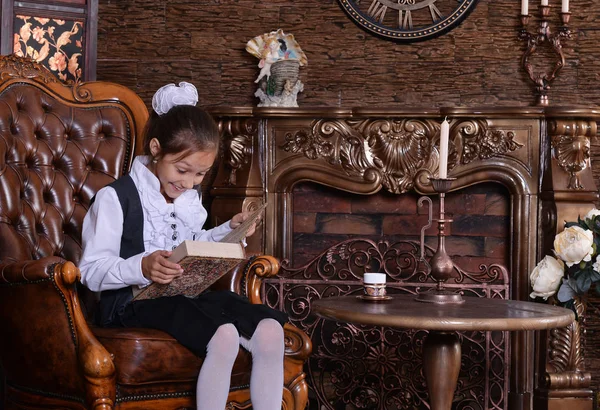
<point x="374" y="284"/>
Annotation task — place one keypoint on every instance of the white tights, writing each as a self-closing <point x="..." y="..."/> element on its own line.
<point x="266" y="379"/>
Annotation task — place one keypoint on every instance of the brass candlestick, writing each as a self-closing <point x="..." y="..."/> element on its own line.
<point x="534" y="40"/>
<point x="441" y="267"/>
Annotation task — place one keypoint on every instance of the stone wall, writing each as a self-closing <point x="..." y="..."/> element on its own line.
<point x="144" y="44"/>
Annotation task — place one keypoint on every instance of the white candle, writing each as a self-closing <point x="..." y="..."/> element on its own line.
<point x="524" y="7"/>
<point x="544" y="2"/>
<point x="444" y="135"/>
<point x="565" y="6"/>
<point x="374" y="278"/>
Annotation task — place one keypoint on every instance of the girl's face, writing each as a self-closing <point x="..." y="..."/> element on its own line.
<point x="177" y="175"/>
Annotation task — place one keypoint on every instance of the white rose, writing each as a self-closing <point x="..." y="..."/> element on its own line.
<point x="546" y="277"/>
<point x="574" y="245"/>
<point x="596" y="264"/>
<point x="593" y="212"/>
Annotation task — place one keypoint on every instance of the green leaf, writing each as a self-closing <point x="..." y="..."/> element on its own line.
<point x="583" y="283"/>
<point x="594" y="276"/>
<point x="596" y="224"/>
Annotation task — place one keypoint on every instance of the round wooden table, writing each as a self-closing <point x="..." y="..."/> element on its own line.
<point x="441" y="350"/>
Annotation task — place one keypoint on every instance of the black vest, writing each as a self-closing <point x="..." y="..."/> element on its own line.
<point x="112" y="302"/>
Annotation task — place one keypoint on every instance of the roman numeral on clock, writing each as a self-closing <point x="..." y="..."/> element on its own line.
<point x="405" y="22"/>
<point x="435" y="13"/>
<point x="377" y="11"/>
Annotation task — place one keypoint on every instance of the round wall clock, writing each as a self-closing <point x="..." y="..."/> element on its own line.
<point x="408" y="20"/>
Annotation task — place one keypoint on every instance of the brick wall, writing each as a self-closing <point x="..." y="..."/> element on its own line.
<point x="479" y="234"/>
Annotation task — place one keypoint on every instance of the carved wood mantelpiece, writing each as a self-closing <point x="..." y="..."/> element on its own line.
<point x="540" y="155"/>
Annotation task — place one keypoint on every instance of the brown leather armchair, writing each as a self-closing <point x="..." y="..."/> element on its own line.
<point x="59" y="145"/>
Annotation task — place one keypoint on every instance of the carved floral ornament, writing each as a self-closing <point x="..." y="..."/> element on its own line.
<point x="14" y="66"/>
<point x="397" y="149"/>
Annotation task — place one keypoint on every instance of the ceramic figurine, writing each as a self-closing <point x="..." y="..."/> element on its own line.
<point x="280" y="58"/>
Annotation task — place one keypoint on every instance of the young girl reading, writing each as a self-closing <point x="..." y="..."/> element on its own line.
<point x="129" y="233"/>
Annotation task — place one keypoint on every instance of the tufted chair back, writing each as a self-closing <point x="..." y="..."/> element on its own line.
<point x="56" y="151"/>
<point x="59" y="144"/>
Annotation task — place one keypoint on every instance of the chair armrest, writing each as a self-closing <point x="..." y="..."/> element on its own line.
<point x="258" y="268"/>
<point x="246" y="278"/>
<point x="298" y="345"/>
<point x="28" y="271"/>
<point x="41" y="312"/>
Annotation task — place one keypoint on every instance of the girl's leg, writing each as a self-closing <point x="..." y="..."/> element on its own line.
<point x="215" y="375"/>
<point x="266" y="379"/>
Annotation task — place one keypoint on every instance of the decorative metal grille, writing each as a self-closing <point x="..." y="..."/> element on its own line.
<point x="373" y="367"/>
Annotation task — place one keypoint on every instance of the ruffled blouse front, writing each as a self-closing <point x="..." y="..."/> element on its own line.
<point x="166" y="225"/>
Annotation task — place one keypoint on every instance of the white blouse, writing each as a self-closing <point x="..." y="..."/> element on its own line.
<point x="166" y="225"/>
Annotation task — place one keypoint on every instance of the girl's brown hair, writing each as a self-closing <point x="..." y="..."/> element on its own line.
<point x="183" y="129"/>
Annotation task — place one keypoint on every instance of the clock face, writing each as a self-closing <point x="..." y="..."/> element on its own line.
<point x="408" y="20"/>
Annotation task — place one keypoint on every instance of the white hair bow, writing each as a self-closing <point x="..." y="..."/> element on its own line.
<point x="170" y="95"/>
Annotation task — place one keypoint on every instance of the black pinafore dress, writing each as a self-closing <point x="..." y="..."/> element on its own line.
<point x="192" y="321"/>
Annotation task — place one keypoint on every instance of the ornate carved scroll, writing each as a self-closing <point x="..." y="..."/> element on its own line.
<point x="481" y="142"/>
<point x="238" y="135"/>
<point x="397" y="149"/>
<point x="13" y="66"/>
<point x="565" y="364"/>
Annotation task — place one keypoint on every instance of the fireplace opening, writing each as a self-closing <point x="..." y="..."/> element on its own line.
<point x="337" y="236"/>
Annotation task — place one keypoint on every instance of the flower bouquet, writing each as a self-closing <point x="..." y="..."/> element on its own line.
<point x="576" y="265"/>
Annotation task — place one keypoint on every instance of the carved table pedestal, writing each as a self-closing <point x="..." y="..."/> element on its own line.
<point x="441" y="351"/>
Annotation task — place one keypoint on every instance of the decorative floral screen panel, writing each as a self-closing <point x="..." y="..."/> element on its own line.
<point x="57" y="44"/>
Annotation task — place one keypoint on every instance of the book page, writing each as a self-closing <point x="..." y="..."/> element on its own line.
<point x="239" y="233"/>
<point x="207" y="249"/>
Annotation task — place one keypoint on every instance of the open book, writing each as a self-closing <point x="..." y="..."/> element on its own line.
<point x="203" y="263"/>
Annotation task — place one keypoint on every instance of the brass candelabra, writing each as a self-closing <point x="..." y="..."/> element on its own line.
<point x="534" y="40"/>
<point x="441" y="268"/>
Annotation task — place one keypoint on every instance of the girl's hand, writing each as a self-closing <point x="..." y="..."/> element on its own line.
<point x="241" y="217"/>
<point x="157" y="268"/>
